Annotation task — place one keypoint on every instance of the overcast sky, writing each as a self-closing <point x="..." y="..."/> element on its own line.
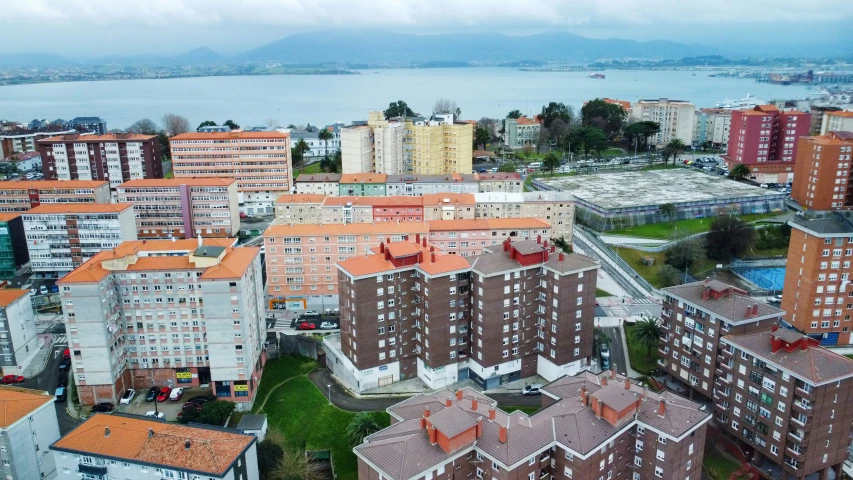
<point x="99" y="27"/>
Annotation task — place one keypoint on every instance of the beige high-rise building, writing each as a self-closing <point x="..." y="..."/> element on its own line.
<point x="676" y="119"/>
<point x="439" y="145"/>
<point x="376" y="146"/>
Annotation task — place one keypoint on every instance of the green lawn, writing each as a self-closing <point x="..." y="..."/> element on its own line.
<point x="169" y="174"/>
<point x="527" y="410"/>
<point x="602" y="293"/>
<point x="313" y="168"/>
<point x="303" y="415"/>
<point x="769" y="252"/>
<point x="637" y="354"/>
<point x="650" y="273"/>
<point x="720" y="467"/>
<point x="666" y="230"/>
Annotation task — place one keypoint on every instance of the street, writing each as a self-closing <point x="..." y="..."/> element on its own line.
<point x="617" y="353"/>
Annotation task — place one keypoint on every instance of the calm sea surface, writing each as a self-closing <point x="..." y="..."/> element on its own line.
<point x="322" y="99"/>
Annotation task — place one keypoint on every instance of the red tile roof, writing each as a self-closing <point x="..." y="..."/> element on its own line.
<point x="16" y="403"/>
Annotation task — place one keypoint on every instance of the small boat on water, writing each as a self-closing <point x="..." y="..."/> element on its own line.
<point x="599" y="76"/>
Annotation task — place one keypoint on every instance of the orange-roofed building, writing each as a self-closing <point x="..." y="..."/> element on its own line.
<point x="112" y="446"/>
<point x="28" y="425"/>
<point x="24" y="195"/>
<point x="259" y="161"/>
<point x="207" y="293"/>
<point x="183" y="207"/>
<point x="410" y="309"/>
<point x="626" y="105"/>
<point x="362" y="184"/>
<point x="521" y="131"/>
<point x="840" y="121"/>
<point x="61" y="236"/>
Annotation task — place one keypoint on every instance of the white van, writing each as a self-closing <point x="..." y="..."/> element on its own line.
<point x="535" y="165"/>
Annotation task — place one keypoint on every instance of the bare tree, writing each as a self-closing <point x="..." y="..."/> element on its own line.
<point x="445" y="105"/>
<point x="272" y="123"/>
<point x="174" y="124"/>
<point x="145" y="126"/>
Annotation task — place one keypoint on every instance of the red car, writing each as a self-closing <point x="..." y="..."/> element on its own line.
<point x="12" y="379"/>
<point x="306" y="326"/>
<point x="164" y="394"/>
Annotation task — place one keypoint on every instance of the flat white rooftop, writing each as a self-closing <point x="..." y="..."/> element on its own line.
<point x="657" y="187"/>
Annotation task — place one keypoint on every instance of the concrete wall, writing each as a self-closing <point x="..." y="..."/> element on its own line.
<point x="27" y="445"/>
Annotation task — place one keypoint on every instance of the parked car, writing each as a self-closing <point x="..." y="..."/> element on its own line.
<point x="604" y="353"/>
<point x="310" y="313"/>
<point x="66" y="354"/>
<point x="59" y="396"/>
<point x="43" y="290"/>
<point x="532" y="389"/>
<point x="33" y="291"/>
<point x="328" y="326"/>
<point x="65" y="364"/>
<point x="306" y="326"/>
<point x="164" y="394"/>
<point x="8" y="379"/>
<point x="103" y="407"/>
<point x="176" y="394"/>
<point x="127" y="397"/>
<point x="153" y="414"/>
<point x="62" y="380"/>
<point x="152" y="394"/>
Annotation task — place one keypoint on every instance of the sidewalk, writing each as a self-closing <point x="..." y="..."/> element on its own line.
<point x="36" y="363"/>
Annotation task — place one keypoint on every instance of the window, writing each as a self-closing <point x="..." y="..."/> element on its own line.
<point x="658" y="472"/>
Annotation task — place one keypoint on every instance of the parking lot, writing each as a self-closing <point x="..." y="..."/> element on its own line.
<point x="171" y="409"/>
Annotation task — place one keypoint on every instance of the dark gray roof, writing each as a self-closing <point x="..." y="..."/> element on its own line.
<point x="526" y="247"/>
<point x="319" y="177"/>
<point x="449" y="178"/>
<point x="252" y="422"/>
<point x="731" y="307"/>
<point x="828" y="226"/>
<point x="208" y="251"/>
<point x="616" y="396"/>
<point x="452" y="421"/>
<point x="495" y="260"/>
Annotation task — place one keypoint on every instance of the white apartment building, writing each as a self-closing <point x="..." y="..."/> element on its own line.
<point x="159" y="312"/>
<point x="317" y="148"/>
<point x="61" y="237"/>
<point x="839" y="121"/>
<point x="676" y="119"/>
<point x="130" y="447"/>
<point x="374" y="147"/>
<point x="318" y="183"/>
<point x="556" y="208"/>
<point x="713" y="125"/>
<point x="18" y="334"/>
<point x="28" y="426"/>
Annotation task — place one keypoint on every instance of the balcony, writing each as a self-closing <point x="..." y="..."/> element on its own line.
<point x="664" y="326"/>
<point x="805" y="394"/>
<point x="796" y="455"/>
<point x="98" y="471"/>
<point x="801" y="407"/>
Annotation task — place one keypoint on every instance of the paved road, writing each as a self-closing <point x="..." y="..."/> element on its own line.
<point x="322" y="378"/>
<point x="617" y="353"/>
<point x="616" y="275"/>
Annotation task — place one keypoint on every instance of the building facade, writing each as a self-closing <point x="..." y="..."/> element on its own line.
<point x="24" y="195"/>
<point x="439" y="145"/>
<point x="839" y="121"/>
<point x="556" y="208"/>
<point x="259" y="161"/>
<point x="183" y="207"/>
<point x="13" y="245"/>
<point x="27" y="429"/>
<point x="373" y="146"/>
<point x="675" y="117"/>
<point x="139" y="448"/>
<point x="712" y="127"/>
<point x="26" y="140"/>
<point x="694" y="318"/>
<point x="160" y="312"/>
<point x="18" y="336"/>
<point x="317" y="148"/>
<point x="822" y="178"/>
<point x="362" y="185"/>
<point x="115" y="158"/>
<point x="61" y="237"/>
<point x="374" y="184"/>
<point x="521" y="131"/>
<point x="592" y="427"/>
<point x="298" y="208"/>
<point x="318" y="183"/>
<point x="765" y="140"/>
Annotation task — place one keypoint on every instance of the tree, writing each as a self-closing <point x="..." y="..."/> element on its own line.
<point x="557" y="131"/>
<point x="550" y="162"/>
<point x="269" y="456"/>
<point x="563" y="245"/>
<point x="336" y="165"/>
<point x="669" y="211"/>
<point x="206" y="123"/>
<point x="231" y="124"/>
<point x="215" y="412"/>
<point x="675" y="147"/>
<point x="640" y="132"/>
<point x="590" y="139"/>
<point x="298" y="151"/>
<point x="163" y="140"/>
<point x="507" y="167"/>
<point x="541" y="139"/>
<point x="174" y="124"/>
<point x="146" y="126"/>
<point x="325" y="135"/>
<point x="526" y="151"/>
<point x="481" y="137"/>
<point x="398" y="109"/>
<point x="646" y="333"/>
<point x="682" y="255"/>
<point x="490" y="125"/>
<point x="554" y="111"/>
<point x="513" y="114"/>
<point x="609" y="117"/>
<point x="739" y="172"/>
<point x="445" y="105"/>
<point x="362" y="425"/>
<point x="729" y="237"/>
<point x="668" y="276"/>
<point x="296" y="465"/>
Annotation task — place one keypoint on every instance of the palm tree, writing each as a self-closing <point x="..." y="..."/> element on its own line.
<point x="296" y="465"/>
<point x="739" y="172"/>
<point x="362" y="425"/>
<point x="646" y="333"/>
<point x="551" y="161"/>
<point x="325" y="135"/>
<point x="675" y="147"/>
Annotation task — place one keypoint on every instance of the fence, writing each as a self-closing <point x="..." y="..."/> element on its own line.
<point x="767" y="276"/>
<point x="300" y="345"/>
<point x="586" y="235"/>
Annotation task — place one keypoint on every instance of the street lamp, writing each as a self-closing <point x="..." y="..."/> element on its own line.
<point x="330" y="393"/>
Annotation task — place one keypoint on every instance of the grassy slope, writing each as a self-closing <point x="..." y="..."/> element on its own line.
<point x="637" y="354"/>
<point x="665" y="231"/>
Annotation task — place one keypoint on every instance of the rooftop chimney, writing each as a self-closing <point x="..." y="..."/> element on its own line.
<point x="706" y="293"/>
<point x="381" y="248"/>
<point x="448" y="402"/>
<point x="627" y="384"/>
<point x="474" y="404"/>
<point x="388" y="240"/>
<point x="613" y="371"/>
<point x="774" y="328"/>
<point x="545" y="255"/>
<point x="423" y="241"/>
<point x="662" y="407"/>
<point x="432" y="257"/>
<point x="187" y="444"/>
<point x="583" y="395"/>
<point x="492" y="413"/>
<point x="106" y="431"/>
<point x="539" y="239"/>
<point x="545" y="244"/>
<point x="603" y="381"/>
<point x="417" y="238"/>
<point x="479" y="428"/>
<point x="561" y="257"/>
<point x="553" y="248"/>
<point x="433" y="435"/>
<point x="502" y="435"/>
<point x="150" y="432"/>
<point x="387" y="254"/>
<point x="426" y="412"/>
<point x="748" y="312"/>
<point x="199" y="239"/>
<point x="754" y="309"/>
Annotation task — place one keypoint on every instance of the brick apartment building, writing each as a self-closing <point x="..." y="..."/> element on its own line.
<point x="260" y="161"/>
<point x="61" y="237"/>
<point x="694" y="318"/>
<point x="591" y="427"/>
<point x="822" y="172"/>
<point x="183" y="207"/>
<point x="788" y="400"/>
<point x="518" y="309"/>
<point x="24" y="195"/>
<point x="765" y="139"/>
<point x="816" y="294"/>
<point x="159" y="312"/>
<point x="115" y="158"/>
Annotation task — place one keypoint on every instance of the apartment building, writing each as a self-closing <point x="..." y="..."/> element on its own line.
<point x="311" y="136"/>
<point x="159" y="312"/>
<point x="500" y="182"/>
<point x="13" y="245"/>
<point x="694" y="318"/>
<point x="713" y="126"/>
<point x="556" y="208"/>
<point x="138" y="448"/>
<point x="24" y="195"/>
<point x="183" y="207"/>
<point x="592" y="427"/>
<point x="675" y="117"/>
<point x="765" y="140"/>
<point x="28" y="426"/>
<point x="299" y="208"/>
<point x="521" y="131"/>
<point x="23" y="140"/>
<point x="786" y="399"/>
<point x="439" y="145"/>
<point x="362" y="185"/>
<point x="416" y="185"/>
<point x="838" y="121"/>
<point x="61" y="237"/>
<point x="318" y="183"/>
<point x="115" y="158"/>
<point x="259" y="161"/>
<point x="18" y="336"/>
<point x="373" y="146"/>
<point x="470" y="238"/>
<point x="822" y="178"/>
<point x="545" y="326"/>
<point x="447" y="206"/>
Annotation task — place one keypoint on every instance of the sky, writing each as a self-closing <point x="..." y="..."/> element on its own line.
<point x="88" y="28"/>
